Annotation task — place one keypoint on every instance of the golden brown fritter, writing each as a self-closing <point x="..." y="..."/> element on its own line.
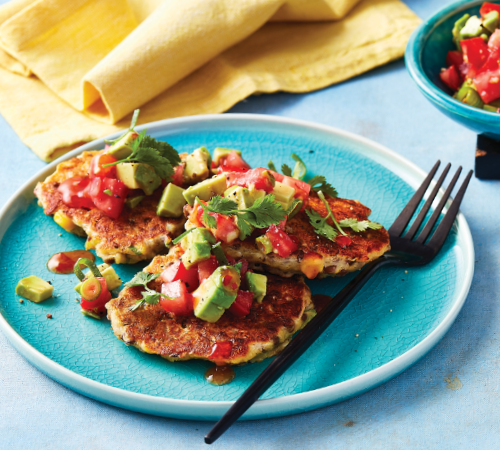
<point x="317" y="255"/>
<point x="138" y="234"/>
<point x="261" y="334"/>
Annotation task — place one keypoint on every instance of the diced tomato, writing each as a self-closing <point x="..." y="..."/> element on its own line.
<point x="74" y="192"/>
<point x="494" y="40"/>
<point x="177" y="178"/>
<point x="178" y="271"/>
<point x="226" y="231"/>
<point x="241" y="306"/>
<point x="454" y="58"/>
<point x="475" y="51"/>
<point x="343" y="241"/>
<point x="282" y="244"/>
<point x="111" y="205"/>
<point x="487" y="84"/>
<point x="244" y="267"/>
<point x="235" y="162"/>
<point x="451" y="78"/>
<point x="207" y="268"/>
<point x="97" y="163"/>
<point x="221" y="350"/>
<point x="488" y="7"/>
<point x="260" y="178"/>
<point x="97" y="305"/>
<point x="231" y="260"/>
<point x="466" y="70"/>
<point x="180" y="302"/>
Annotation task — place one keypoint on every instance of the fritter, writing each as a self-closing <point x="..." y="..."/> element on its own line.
<point x="316" y="255"/>
<point x="261" y="334"/>
<point x="138" y="234"/>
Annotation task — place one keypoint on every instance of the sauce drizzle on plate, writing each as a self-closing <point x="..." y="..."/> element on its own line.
<point x="220" y="375"/>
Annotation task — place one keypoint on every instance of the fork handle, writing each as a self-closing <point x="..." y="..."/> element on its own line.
<point x="295" y="349"/>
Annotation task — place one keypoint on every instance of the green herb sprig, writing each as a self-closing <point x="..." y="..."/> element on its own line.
<point x="322" y="228"/>
<point x="149" y="296"/>
<point x="263" y="213"/>
<point x="319" y="183"/>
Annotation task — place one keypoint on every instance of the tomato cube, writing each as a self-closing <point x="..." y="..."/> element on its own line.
<point x="97" y="163"/>
<point x="488" y="7"/>
<point x="75" y="194"/>
<point x="179" y="301"/>
<point x="207" y="268"/>
<point x="454" y="58"/>
<point x="108" y="195"/>
<point x="282" y="244"/>
<point x="475" y="51"/>
<point x="241" y="306"/>
<point x="178" y="271"/>
<point x="451" y="78"/>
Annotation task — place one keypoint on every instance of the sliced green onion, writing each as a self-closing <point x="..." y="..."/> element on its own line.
<point x="182" y="236"/>
<point x="91" y="289"/>
<point x="90" y="264"/>
<point x="300" y="169"/>
<point x="90" y="314"/>
<point x="219" y="254"/>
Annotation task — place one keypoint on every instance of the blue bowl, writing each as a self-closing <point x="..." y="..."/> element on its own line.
<point x="425" y="57"/>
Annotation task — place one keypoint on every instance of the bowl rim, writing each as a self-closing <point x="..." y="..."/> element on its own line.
<point x="413" y="61"/>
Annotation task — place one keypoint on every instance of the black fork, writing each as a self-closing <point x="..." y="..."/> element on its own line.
<point x="405" y="251"/>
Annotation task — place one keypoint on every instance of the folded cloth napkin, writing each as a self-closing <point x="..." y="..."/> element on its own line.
<point x="71" y="72"/>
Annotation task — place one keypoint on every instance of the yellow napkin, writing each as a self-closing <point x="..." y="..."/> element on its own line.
<point x="74" y="71"/>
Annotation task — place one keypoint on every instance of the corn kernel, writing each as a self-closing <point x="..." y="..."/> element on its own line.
<point x="64" y="221"/>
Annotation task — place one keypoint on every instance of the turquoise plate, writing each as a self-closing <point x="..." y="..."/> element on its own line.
<point x="395" y="320"/>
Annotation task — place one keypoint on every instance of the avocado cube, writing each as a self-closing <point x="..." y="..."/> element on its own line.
<point x="283" y="194"/>
<point x="113" y="281"/>
<point x="213" y="297"/>
<point x="472" y="28"/>
<point x="242" y="197"/>
<point x="490" y="21"/>
<point x="133" y="201"/>
<point x="122" y="148"/>
<point x="197" y="252"/>
<point x="197" y="166"/>
<point x="459" y="24"/>
<point x="201" y="235"/>
<point x="172" y="202"/>
<point x="34" y="289"/>
<point x="257" y="284"/>
<point x="138" y="176"/>
<point x="206" y="189"/>
<point x="220" y="153"/>
<point x="264" y="244"/>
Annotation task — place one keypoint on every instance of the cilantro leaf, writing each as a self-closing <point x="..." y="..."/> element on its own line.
<point x="208" y="220"/>
<point x="245" y="228"/>
<point x="321" y="226"/>
<point x="319" y="183"/>
<point x="164" y="149"/>
<point x="359" y="226"/>
<point x="150" y="156"/>
<point x="222" y="205"/>
<point x="141" y="279"/>
<point x="271" y="165"/>
<point x="264" y="212"/>
<point x="286" y="170"/>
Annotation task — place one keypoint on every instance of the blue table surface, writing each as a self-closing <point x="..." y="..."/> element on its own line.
<point x="448" y="399"/>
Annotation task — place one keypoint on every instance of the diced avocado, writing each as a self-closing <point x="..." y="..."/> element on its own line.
<point x="172" y="202"/>
<point x="215" y="294"/>
<point x="264" y="244"/>
<point x="113" y="281"/>
<point x="490" y="21"/>
<point x="240" y="195"/>
<point x="122" y="148"/>
<point x="256" y="193"/>
<point x="257" y="284"/>
<point x="208" y="155"/>
<point x="459" y="24"/>
<point x="133" y="201"/>
<point x="283" y="194"/>
<point x="197" y="166"/>
<point x="206" y="189"/>
<point x="220" y="153"/>
<point x="138" y="176"/>
<point x="34" y="289"/>
<point x="472" y="28"/>
<point x="197" y="246"/>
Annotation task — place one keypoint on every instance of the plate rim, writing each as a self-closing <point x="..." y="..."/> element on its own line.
<point x="265" y="408"/>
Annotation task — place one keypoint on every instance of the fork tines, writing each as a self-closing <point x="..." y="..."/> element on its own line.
<point x="444" y="227"/>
